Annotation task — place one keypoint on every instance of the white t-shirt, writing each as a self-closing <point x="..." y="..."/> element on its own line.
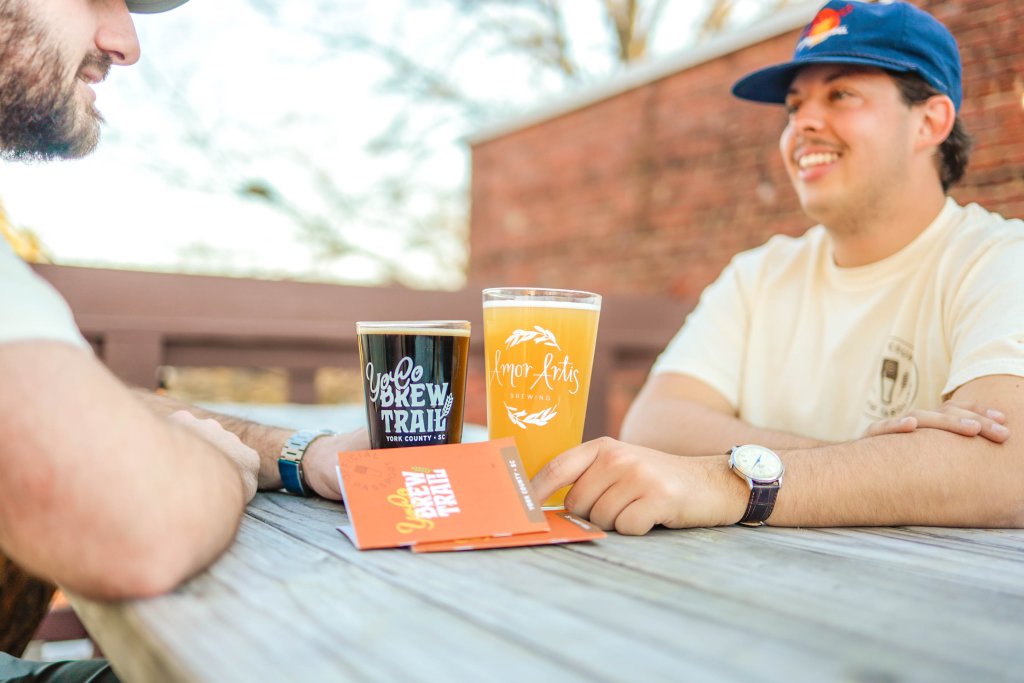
<point x="30" y="308"/>
<point x="797" y="344"/>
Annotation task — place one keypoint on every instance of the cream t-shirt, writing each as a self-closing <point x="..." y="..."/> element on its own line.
<point x="30" y="308"/>
<point x="797" y="344"/>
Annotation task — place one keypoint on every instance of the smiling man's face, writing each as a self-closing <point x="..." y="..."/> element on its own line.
<point x="848" y="144"/>
<point x="51" y="52"/>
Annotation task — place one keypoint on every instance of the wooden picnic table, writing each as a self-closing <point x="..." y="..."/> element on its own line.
<point x="293" y="600"/>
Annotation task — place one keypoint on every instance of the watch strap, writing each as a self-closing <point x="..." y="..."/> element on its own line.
<point x="289" y="464"/>
<point x="761" y="504"/>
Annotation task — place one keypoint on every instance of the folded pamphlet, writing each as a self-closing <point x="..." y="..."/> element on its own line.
<point x="407" y="496"/>
<point x="565" y="528"/>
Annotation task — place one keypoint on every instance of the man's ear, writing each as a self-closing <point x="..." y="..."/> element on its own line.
<point x="938" y="117"/>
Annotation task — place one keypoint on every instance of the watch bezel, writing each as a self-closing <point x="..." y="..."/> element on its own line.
<point x="739" y="468"/>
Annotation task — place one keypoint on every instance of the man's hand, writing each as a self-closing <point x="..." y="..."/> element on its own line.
<point x="318" y="467"/>
<point x="959" y="417"/>
<point x="244" y="458"/>
<point x="630" y="488"/>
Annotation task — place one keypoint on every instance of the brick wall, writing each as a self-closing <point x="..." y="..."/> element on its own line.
<point x="652" y="190"/>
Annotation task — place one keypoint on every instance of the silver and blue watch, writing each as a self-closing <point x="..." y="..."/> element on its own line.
<point x="289" y="465"/>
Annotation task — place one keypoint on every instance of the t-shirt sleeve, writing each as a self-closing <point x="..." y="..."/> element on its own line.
<point x="711" y="343"/>
<point x="30" y="308"/>
<point x="987" y="319"/>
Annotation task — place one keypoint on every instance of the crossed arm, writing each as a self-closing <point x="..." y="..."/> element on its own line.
<point x="955" y="467"/>
<point x="318" y="465"/>
<point x="99" y="494"/>
<point x="112" y="496"/>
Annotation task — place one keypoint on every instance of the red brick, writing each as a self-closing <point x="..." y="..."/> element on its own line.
<point x="655" y="189"/>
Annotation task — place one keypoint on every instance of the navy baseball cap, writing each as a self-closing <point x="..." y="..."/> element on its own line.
<point x="895" y="36"/>
<point x="153" y="6"/>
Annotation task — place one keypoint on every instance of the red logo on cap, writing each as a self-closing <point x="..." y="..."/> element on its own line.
<point x="827" y="23"/>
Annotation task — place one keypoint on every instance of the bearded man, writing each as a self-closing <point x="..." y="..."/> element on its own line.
<point x="108" y="492"/>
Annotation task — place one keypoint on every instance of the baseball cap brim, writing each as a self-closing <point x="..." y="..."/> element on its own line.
<point x="771" y="85"/>
<point x="153" y="6"/>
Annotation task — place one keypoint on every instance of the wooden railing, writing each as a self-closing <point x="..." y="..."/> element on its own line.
<point x="138" y="322"/>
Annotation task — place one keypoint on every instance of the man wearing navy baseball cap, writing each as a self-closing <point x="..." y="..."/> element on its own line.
<point x="867" y="372"/>
<point x="102" y="490"/>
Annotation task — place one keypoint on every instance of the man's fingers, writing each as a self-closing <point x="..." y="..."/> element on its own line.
<point x="182" y="417"/>
<point x="243" y="457"/>
<point x="893" y="426"/>
<point x="564" y="469"/>
<point x="995" y="432"/>
<point x="606" y="507"/>
<point x="965" y="424"/>
<point x="996" y="416"/>
<point x="590" y="487"/>
<point x="637" y="518"/>
<point x="965" y="419"/>
<point x="975" y="409"/>
<point x="991" y="423"/>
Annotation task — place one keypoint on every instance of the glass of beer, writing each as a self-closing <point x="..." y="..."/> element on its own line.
<point x="414" y="379"/>
<point x="539" y="346"/>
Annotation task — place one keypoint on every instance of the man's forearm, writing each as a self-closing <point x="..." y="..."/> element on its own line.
<point x="927" y="477"/>
<point x="318" y="465"/>
<point x="111" y="502"/>
<point x="689" y="428"/>
<point x="264" y="439"/>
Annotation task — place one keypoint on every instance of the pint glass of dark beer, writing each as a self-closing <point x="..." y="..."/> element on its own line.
<point x="414" y="378"/>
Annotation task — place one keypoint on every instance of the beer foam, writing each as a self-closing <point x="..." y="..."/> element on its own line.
<point x="543" y="304"/>
<point x="409" y="330"/>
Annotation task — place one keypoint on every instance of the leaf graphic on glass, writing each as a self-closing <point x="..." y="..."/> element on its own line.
<point x="538" y="335"/>
<point x="447" y="405"/>
<point x="520" y="419"/>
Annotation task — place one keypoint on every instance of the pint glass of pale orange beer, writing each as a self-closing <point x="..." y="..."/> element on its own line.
<point x="539" y="345"/>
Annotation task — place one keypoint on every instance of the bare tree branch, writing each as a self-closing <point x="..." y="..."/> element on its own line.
<point x="434" y="105"/>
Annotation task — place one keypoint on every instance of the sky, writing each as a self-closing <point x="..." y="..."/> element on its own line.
<point x="219" y="74"/>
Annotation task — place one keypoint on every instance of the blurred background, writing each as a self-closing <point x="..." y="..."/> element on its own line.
<point x="448" y="145"/>
<point x="326" y="140"/>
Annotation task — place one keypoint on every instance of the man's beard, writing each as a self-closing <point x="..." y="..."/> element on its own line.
<point x="40" y="114"/>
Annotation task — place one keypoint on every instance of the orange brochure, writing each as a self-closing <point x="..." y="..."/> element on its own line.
<point x="565" y="528"/>
<point x="404" y="496"/>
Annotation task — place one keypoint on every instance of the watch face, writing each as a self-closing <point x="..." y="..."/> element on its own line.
<point x="757" y="462"/>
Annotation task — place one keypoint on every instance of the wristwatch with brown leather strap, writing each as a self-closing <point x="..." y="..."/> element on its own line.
<point x="762" y="469"/>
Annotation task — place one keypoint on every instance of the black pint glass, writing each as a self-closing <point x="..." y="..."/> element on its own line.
<point x="414" y="379"/>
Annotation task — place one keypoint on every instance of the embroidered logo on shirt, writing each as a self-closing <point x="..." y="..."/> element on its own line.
<point x="894" y="388"/>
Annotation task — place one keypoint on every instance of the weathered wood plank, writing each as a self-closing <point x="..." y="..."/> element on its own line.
<point x="510" y="600"/>
<point x="294" y="600"/>
<point x="814" y="606"/>
<point x="275" y="608"/>
<point x="866" y="609"/>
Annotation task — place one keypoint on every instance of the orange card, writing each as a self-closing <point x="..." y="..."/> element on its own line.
<point x="565" y="528"/>
<point x="403" y="496"/>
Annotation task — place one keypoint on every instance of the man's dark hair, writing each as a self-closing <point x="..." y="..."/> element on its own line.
<point x="955" y="150"/>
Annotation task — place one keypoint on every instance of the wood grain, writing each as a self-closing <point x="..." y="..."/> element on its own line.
<point x="294" y="600"/>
